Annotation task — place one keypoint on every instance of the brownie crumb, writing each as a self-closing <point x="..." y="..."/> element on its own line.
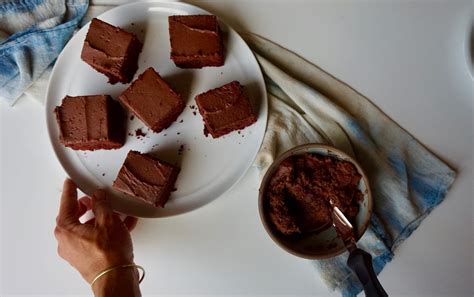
<point x="132" y="117"/>
<point x="139" y="133"/>
<point x="133" y="24"/>
<point x="238" y="132"/>
<point x="181" y="121"/>
<point x="178" y="133"/>
<point x="103" y="174"/>
<point x="181" y="149"/>
<point x="194" y="113"/>
<point x="174" y="190"/>
<point x="164" y="134"/>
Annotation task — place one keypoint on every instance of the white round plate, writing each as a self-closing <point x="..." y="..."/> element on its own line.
<point x="209" y="167"/>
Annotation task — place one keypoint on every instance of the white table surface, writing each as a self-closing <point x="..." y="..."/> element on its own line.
<point x="409" y="57"/>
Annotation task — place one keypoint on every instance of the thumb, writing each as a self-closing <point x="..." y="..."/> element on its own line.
<point x="101" y="207"/>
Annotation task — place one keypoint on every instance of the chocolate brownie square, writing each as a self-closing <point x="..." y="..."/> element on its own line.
<point x="225" y="109"/>
<point x="111" y="51"/>
<point x="152" y="100"/>
<point x="146" y="178"/>
<point x="91" y="122"/>
<point x="196" y="41"/>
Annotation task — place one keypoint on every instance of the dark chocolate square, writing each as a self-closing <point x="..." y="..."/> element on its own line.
<point x="146" y="178"/>
<point x="196" y="41"/>
<point x="152" y="100"/>
<point x="111" y="51"/>
<point x="91" y="122"/>
<point x="225" y="109"/>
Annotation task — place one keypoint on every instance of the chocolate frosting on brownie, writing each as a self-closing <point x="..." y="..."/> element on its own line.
<point x="90" y="122"/>
<point x="196" y="41"/>
<point x="152" y="100"/>
<point x="111" y="51"/>
<point x="147" y="178"/>
<point x="225" y="109"/>
<point x="195" y="34"/>
<point x="103" y="35"/>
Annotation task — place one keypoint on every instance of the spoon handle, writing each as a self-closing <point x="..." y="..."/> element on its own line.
<point x="361" y="263"/>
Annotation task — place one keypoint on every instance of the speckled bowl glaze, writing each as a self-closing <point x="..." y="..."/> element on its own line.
<point x="323" y="244"/>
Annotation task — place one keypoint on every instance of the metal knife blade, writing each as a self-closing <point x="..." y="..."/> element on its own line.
<point x="344" y="228"/>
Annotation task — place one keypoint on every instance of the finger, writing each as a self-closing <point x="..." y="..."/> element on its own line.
<point x="130" y="223"/>
<point x="85" y="202"/>
<point x="101" y="207"/>
<point x="68" y="208"/>
<point x="83" y="205"/>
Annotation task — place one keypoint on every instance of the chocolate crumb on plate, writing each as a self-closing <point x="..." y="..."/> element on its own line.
<point x="181" y="149"/>
<point x="139" y="133"/>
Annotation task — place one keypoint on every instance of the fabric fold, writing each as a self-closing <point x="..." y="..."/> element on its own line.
<point x="34" y="34"/>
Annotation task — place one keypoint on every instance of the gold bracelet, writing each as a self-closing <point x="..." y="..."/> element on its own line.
<point x="101" y="274"/>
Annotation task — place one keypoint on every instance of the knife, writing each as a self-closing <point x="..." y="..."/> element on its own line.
<point x="359" y="260"/>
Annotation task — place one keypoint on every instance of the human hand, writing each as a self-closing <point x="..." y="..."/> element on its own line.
<point x="96" y="245"/>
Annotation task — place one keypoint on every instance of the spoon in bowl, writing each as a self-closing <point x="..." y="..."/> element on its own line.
<point x="359" y="260"/>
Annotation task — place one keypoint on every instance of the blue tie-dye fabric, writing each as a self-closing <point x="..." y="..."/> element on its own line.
<point x="25" y="54"/>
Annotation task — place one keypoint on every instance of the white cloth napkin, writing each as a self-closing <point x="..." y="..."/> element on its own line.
<point x="306" y="104"/>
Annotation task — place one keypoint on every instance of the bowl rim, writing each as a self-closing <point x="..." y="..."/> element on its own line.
<point x="297" y="150"/>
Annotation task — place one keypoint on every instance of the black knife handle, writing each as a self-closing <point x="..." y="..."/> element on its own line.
<point x="361" y="263"/>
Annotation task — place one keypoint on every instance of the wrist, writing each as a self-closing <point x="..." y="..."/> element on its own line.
<point x="118" y="282"/>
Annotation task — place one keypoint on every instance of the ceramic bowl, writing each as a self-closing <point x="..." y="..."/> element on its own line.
<point x="325" y="243"/>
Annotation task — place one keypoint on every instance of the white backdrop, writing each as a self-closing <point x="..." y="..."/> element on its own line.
<point x="408" y="57"/>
